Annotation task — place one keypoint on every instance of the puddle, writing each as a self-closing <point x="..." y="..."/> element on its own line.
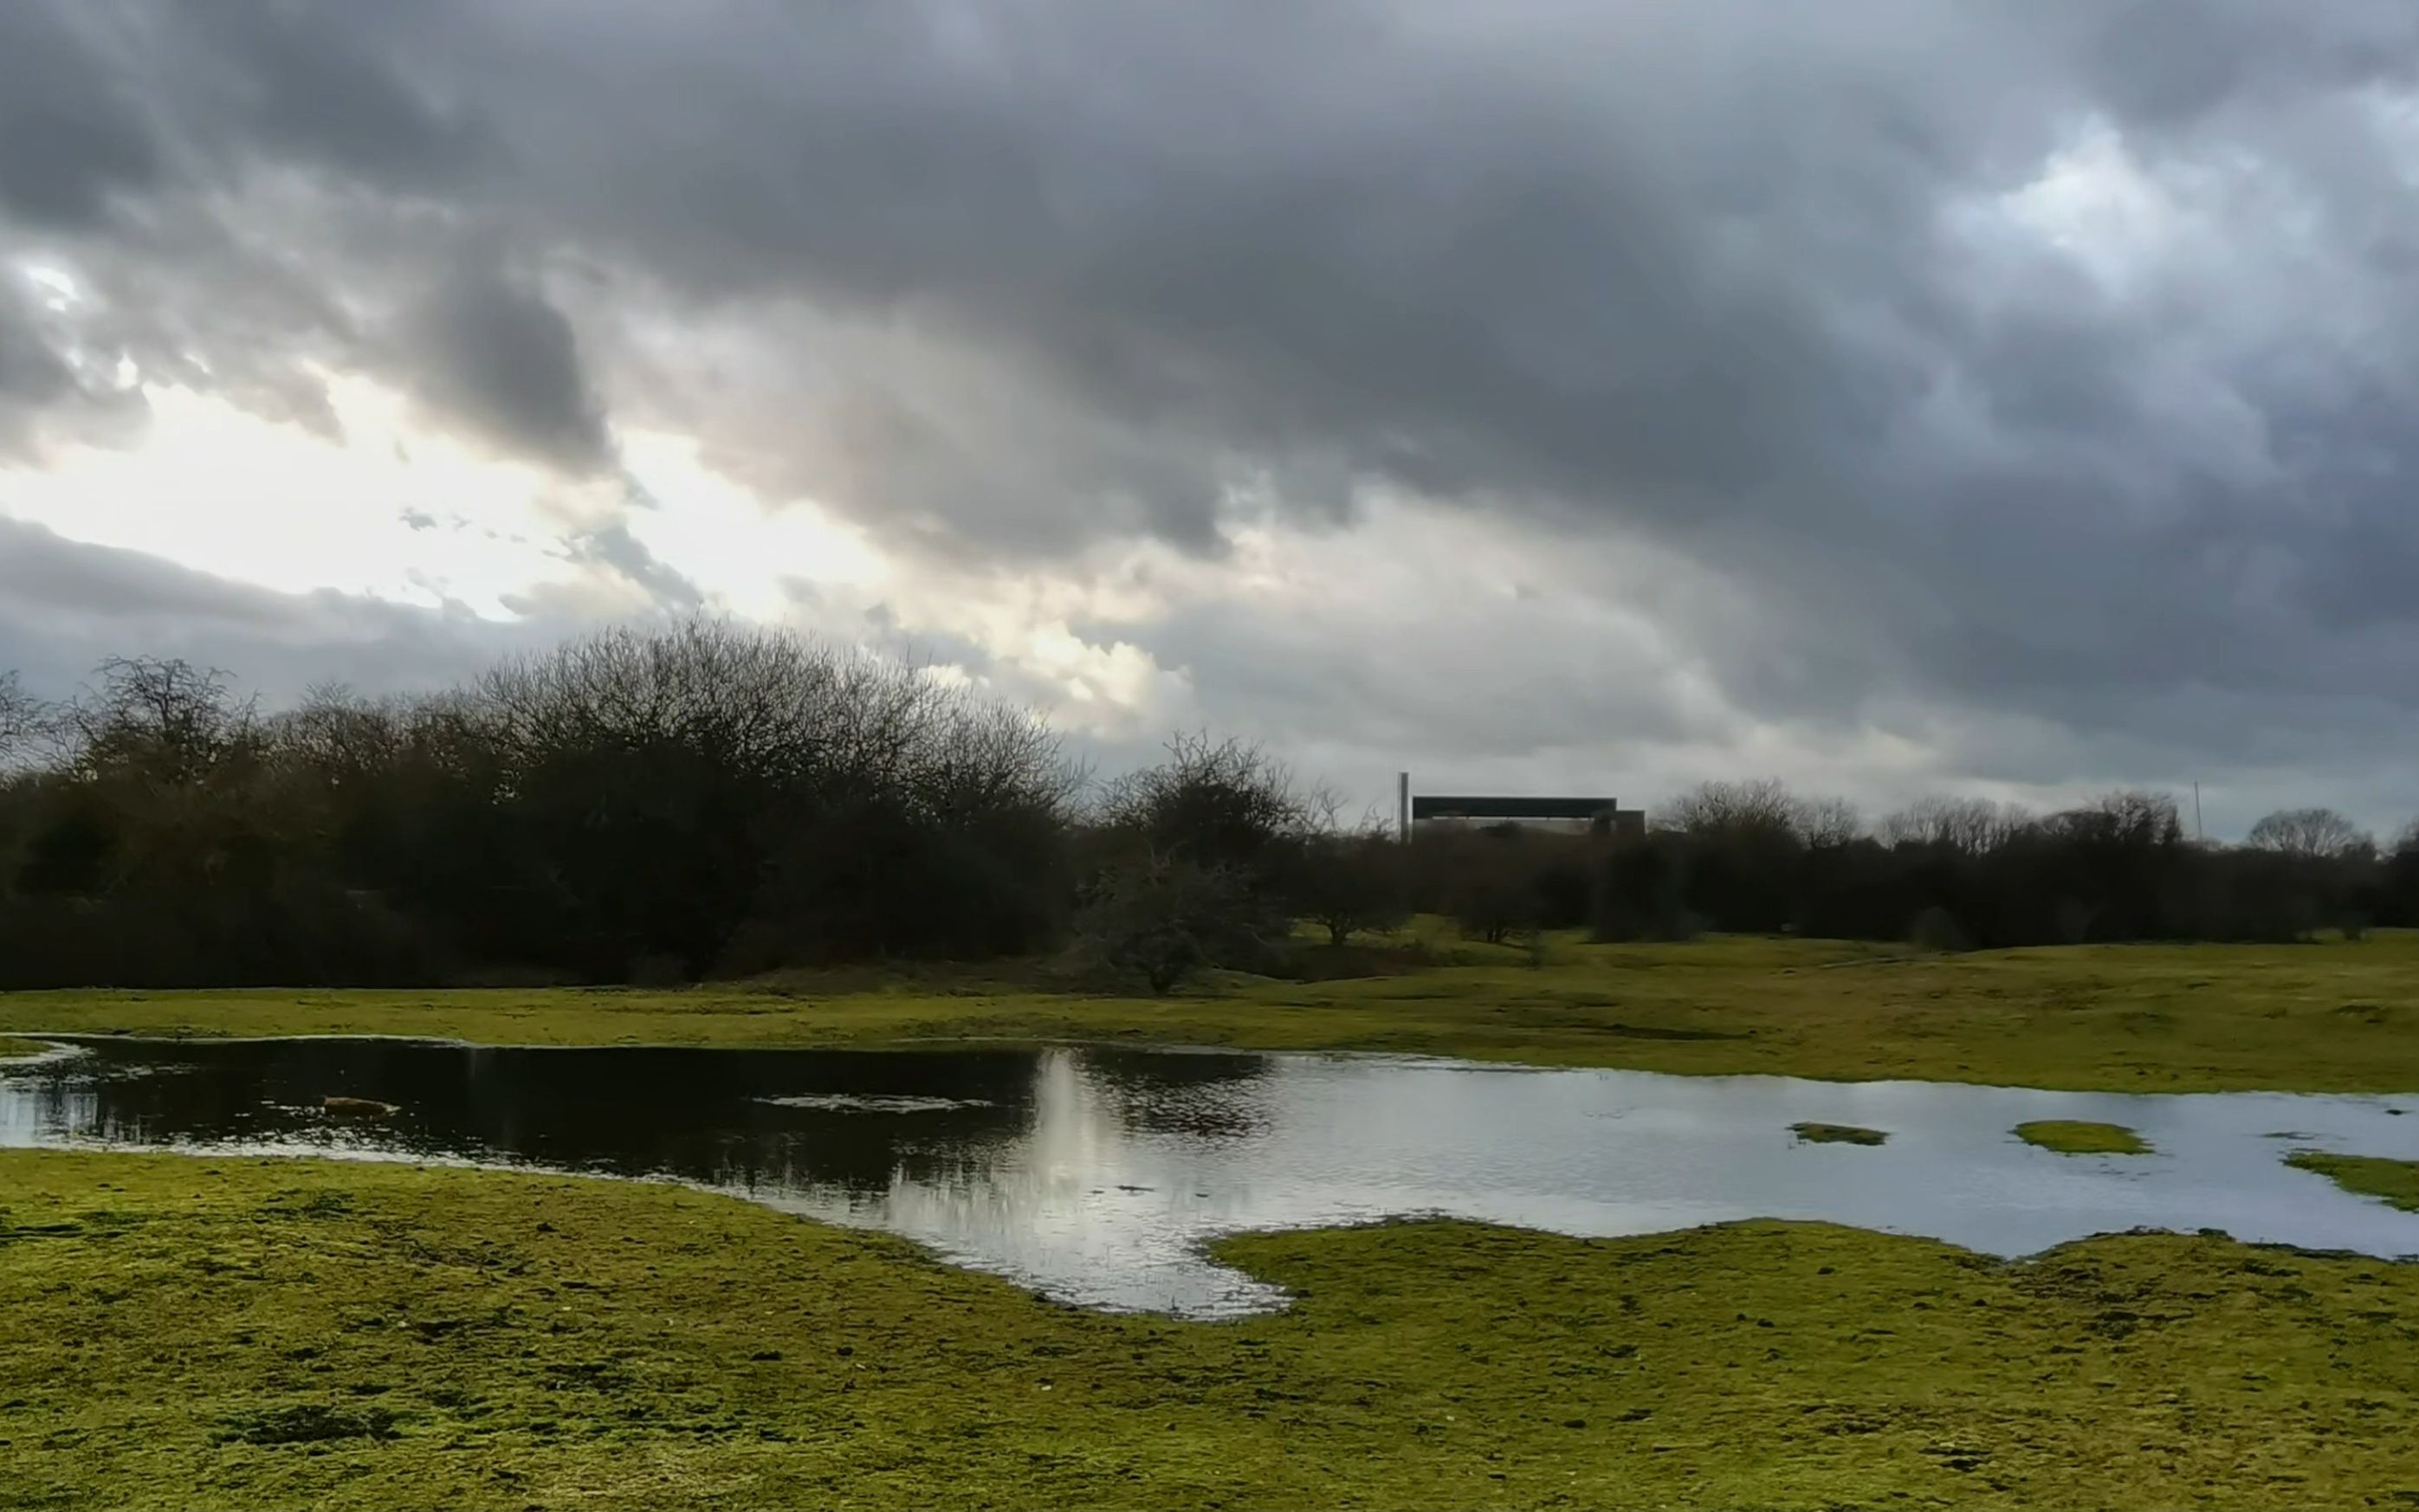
<point x="1094" y="1175"/>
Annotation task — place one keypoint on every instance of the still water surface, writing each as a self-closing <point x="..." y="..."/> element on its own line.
<point x="1093" y="1175"/>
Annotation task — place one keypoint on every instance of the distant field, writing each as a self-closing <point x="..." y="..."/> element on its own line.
<point x="2330" y="1017"/>
<point x="277" y="1333"/>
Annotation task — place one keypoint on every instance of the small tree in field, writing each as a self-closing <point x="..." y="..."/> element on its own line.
<point x="1495" y="895"/>
<point x="1345" y="884"/>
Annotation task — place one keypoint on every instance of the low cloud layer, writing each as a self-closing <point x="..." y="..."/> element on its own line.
<point x="1884" y="394"/>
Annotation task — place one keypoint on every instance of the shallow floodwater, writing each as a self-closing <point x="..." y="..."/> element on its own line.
<point x="1093" y="1175"/>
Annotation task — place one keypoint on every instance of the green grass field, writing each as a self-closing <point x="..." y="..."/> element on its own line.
<point x="264" y="1333"/>
<point x="2332" y="1017"/>
<point x="181" y="1332"/>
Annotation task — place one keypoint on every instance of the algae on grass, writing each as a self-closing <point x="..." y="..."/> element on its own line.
<point x="1837" y="1133"/>
<point x="504" y="1340"/>
<point x="306" y="1423"/>
<point x="2074" y="1137"/>
<point x="2373" y="1175"/>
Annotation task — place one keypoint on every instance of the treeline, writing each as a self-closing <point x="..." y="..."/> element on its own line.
<point x="1945" y="874"/>
<point x="630" y="807"/>
<point x="708" y="801"/>
<point x="702" y="801"/>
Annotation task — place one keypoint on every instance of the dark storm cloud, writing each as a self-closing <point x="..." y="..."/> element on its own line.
<point x="504" y="364"/>
<point x="317" y="80"/>
<point x="1738" y="280"/>
<point x="71" y="131"/>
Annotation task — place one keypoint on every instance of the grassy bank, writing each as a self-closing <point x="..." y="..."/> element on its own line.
<point x="269" y="1333"/>
<point x="2395" y="1180"/>
<point x="2335" y="1017"/>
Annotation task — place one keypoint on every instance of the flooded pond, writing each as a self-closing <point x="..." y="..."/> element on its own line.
<point x="1093" y="1175"/>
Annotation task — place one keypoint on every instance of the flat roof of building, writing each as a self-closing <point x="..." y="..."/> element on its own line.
<point x="1438" y="806"/>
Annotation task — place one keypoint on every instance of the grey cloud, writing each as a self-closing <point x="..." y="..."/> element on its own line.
<point x="42" y="572"/>
<point x="31" y="374"/>
<point x="613" y="547"/>
<point x="42" y="394"/>
<point x="318" y="81"/>
<point x="2157" y="71"/>
<point x="71" y="131"/>
<point x="505" y="364"/>
<point x="65" y="605"/>
<point x="1731" y="278"/>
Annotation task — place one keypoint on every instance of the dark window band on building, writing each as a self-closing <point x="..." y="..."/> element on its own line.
<point x="1568" y="815"/>
<point x="1438" y="806"/>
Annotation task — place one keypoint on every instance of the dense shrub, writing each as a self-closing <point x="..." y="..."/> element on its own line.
<point x="630" y="804"/>
<point x="1159" y="919"/>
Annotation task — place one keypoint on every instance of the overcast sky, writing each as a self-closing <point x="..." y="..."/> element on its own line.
<point x="2007" y="397"/>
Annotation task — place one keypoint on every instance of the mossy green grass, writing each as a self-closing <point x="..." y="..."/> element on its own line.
<point x="179" y="1331"/>
<point x="2068" y="1136"/>
<point x="1837" y="1134"/>
<point x="2395" y="1180"/>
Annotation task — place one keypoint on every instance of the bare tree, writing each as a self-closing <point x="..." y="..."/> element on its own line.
<point x="2127" y="817"/>
<point x="169" y="719"/>
<point x="1763" y="807"/>
<point x="21" y="717"/>
<point x="1827" y="823"/>
<point x="1718" y="806"/>
<point x="2315" y="834"/>
<point x="1970" y="827"/>
<point x="1217" y="803"/>
<point x="1348" y="882"/>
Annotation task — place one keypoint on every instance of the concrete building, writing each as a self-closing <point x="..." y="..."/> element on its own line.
<point x="1601" y="817"/>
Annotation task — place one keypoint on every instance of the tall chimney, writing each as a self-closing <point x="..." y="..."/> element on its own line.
<point x="1403" y="805"/>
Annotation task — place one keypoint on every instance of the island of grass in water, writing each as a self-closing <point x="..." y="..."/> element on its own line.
<point x="2395" y="1180"/>
<point x="2071" y="1136"/>
<point x="1837" y="1133"/>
